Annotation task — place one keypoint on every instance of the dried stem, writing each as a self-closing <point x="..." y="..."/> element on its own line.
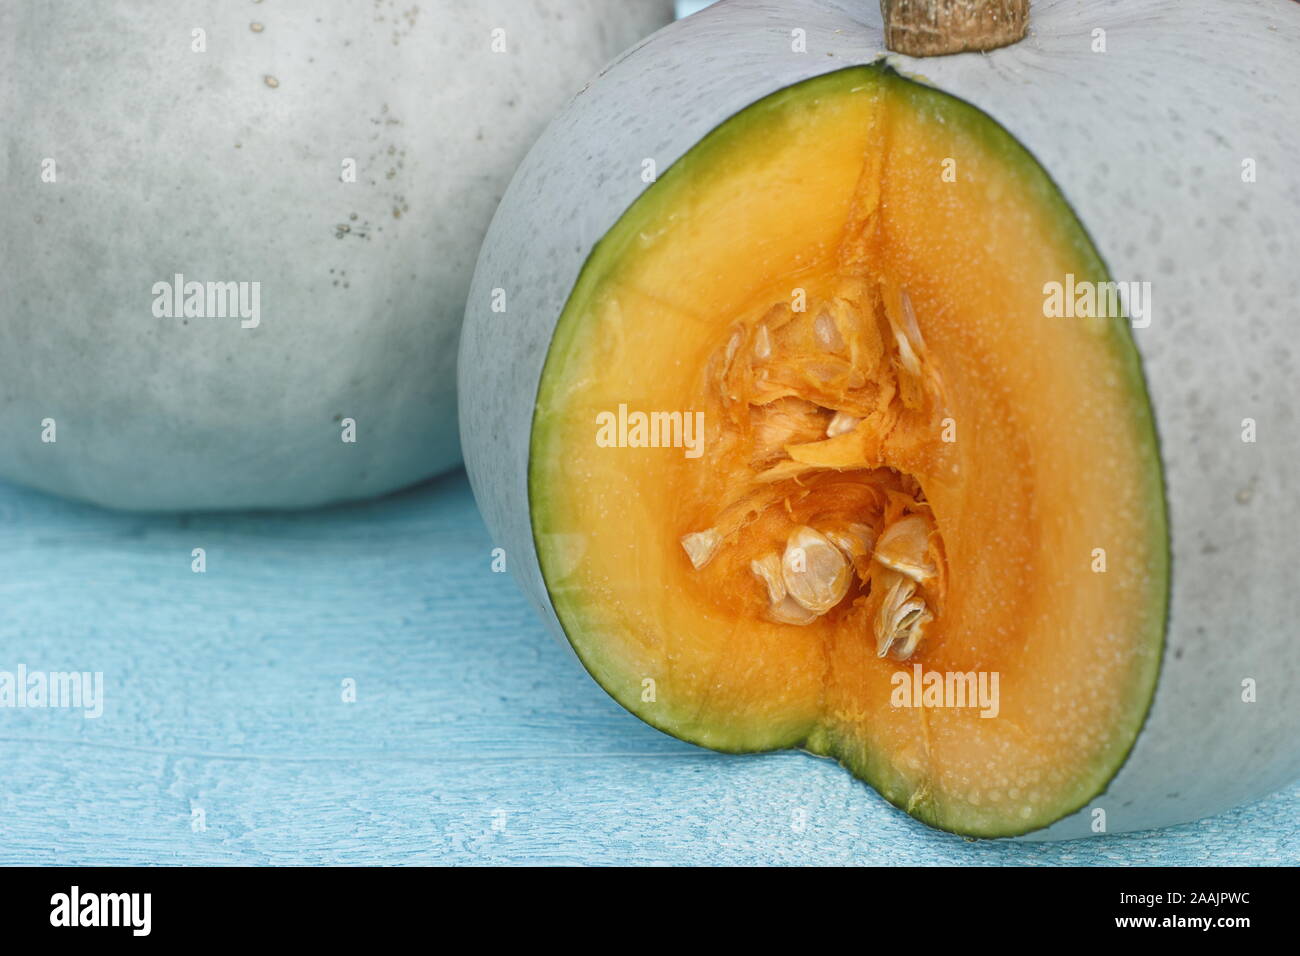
<point x="936" y="27"/>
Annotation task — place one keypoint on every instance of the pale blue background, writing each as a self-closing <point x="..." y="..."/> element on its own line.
<point x="223" y="694"/>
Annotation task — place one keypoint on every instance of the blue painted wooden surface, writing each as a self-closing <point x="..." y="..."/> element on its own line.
<point x="474" y="737"/>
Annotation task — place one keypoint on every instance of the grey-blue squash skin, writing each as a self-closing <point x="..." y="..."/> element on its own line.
<point x="1147" y="142"/>
<point x="228" y="165"/>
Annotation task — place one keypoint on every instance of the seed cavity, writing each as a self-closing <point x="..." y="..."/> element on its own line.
<point x="858" y="529"/>
<point x="816" y="573"/>
<point x="701" y="546"/>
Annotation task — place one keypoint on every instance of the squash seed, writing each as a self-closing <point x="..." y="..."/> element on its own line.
<point x="815" y="572"/>
<point x="790" y="611"/>
<point x="841" y="423"/>
<point x="905" y="547"/>
<point x="901" y="621"/>
<point x="701" y="546"/>
<point x="768" y="570"/>
<point x="827" y="332"/>
<point x="908" y="338"/>
<point x="856" y="542"/>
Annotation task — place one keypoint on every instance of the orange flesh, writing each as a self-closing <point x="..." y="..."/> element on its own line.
<point x="1023" y="439"/>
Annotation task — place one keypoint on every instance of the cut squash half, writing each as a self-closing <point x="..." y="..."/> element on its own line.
<point x="812" y="464"/>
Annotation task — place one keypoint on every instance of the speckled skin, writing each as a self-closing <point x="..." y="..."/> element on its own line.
<point x="1147" y="142"/>
<point x="170" y="160"/>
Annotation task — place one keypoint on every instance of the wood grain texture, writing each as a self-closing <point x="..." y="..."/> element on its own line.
<point x="474" y="737"/>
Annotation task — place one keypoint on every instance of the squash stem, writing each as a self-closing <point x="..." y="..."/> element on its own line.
<point x="938" y="27"/>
